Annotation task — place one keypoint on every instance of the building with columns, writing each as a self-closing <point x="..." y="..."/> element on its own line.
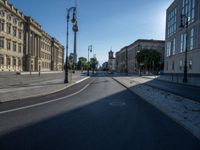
<point x="24" y="45"/>
<point x="11" y="37"/>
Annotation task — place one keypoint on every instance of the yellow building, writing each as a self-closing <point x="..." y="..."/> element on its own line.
<point x="24" y="45"/>
<point x="11" y="37"/>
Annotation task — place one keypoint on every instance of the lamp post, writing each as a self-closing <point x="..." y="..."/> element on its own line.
<point x="184" y="24"/>
<point x="74" y="21"/>
<point x="75" y="30"/>
<point x="89" y="51"/>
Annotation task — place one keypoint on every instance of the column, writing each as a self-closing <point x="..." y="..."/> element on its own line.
<point x="4" y="66"/>
<point x="39" y="47"/>
<point x="26" y="42"/>
<point x="33" y="44"/>
<point x="11" y="62"/>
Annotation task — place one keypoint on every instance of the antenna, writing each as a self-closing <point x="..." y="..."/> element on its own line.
<point x="76" y="7"/>
<point x="75" y="3"/>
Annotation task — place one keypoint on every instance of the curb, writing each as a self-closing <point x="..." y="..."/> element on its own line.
<point x="178" y="122"/>
<point x="47" y="93"/>
<point x="185" y="84"/>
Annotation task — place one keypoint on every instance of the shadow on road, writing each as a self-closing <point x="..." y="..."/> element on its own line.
<point x="121" y="121"/>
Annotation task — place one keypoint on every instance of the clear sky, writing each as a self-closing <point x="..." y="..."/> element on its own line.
<point x="102" y="23"/>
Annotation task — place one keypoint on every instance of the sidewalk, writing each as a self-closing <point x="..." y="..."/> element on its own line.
<point x="182" y="110"/>
<point x="176" y="79"/>
<point x="17" y="87"/>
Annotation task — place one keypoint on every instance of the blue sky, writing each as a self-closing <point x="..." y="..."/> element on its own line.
<point x="102" y="23"/>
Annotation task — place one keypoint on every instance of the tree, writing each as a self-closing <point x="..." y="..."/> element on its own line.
<point x="93" y="64"/>
<point x="149" y="58"/>
<point x="82" y="62"/>
<point x="70" y="61"/>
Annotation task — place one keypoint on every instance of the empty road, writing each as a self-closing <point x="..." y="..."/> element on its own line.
<point x="97" y="114"/>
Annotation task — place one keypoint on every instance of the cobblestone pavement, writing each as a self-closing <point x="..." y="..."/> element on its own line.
<point x="16" y="87"/>
<point x="182" y="110"/>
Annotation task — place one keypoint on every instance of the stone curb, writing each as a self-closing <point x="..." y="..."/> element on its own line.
<point x="175" y="120"/>
<point x="47" y="93"/>
<point x="185" y="84"/>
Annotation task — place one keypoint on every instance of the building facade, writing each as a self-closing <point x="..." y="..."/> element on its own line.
<point x="122" y="60"/>
<point x="126" y="61"/>
<point x="179" y="39"/>
<point x="11" y="37"/>
<point x="134" y="48"/>
<point x="24" y="45"/>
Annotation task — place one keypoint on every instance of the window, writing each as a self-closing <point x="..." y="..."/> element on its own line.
<point x="19" y="62"/>
<point x="192" y="39"/>
<point x="183" y="42"/>
<point x="2" y="25"/>
<point x="1" y="42"/>
<point x="180" y="64"/>
<point x="8" y="61"/>
<point x="1" y="60"/>
<point x="14" y="47"/>
<point x="20" y="34"/>
<point x="171" y="21"/>
<point x="15" y="21"/>
<point x="174" y="46"/>
<point x="9" y="17"/>
<point x="190" y="64"/>
<point x="14" y="61"/>
<point x="188" y="9"/>
<point x="168" y="49"/>
<point x="8" y="45"/>
<point x="20" y="48"/>
<point x="173" y="65"/>
<point x="20" y="24"/>
<point x="14" y="31"/>
<point x="9" y="28"/>
<point x="2" y="13"/>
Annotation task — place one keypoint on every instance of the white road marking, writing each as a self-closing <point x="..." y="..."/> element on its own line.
<point x="47" y="102"/>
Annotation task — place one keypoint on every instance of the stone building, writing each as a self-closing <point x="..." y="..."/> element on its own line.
<point x="46" y="42"/>
<point x="140" y="44"/>
<point x="24" y="45"/>
<point x="126" y="58"/>
<point x="57" y="55"/>
<point x="11" y="37"/>
<point x="122" y="60"/>
<point x="177" y="39"/>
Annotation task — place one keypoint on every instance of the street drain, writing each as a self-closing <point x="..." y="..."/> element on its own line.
<point x="117" y="104"/>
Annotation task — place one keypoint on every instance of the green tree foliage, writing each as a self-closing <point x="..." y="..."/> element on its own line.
<point x="70" y="61"/>
<point x="149" y="58"/>
<point x="93" y="64"/>
<point x="82" y="63"/>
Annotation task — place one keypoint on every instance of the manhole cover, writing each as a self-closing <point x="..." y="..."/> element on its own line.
<point x="117" y="104"/>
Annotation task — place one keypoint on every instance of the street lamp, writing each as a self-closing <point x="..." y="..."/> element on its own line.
<point x="75" y="30"/>
<point x="184" y="24"/>
<point x="89" y="51"/>
<point x="74" y="21"/>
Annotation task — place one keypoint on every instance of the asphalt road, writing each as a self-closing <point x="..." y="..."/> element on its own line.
<point x="100" y="115"/>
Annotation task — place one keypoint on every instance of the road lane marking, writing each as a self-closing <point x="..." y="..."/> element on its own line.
<point x="46" y="102"/>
